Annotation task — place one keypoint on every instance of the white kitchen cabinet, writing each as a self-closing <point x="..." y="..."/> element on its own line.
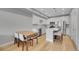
<point x="35" y="20"/>
<point x="50" y="34"/>
<point x="38" y="20"/>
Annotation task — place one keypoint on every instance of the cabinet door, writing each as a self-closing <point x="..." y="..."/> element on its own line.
<point x="35" y="20"/>
<point x="38" y="20"/>
<point x="42" y="21"/>
<point x="49" y="35"/>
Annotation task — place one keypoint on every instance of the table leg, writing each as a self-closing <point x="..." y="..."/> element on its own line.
<point x="37" y="40"/>
<point x="18" y="42"/>
<point x="27" y="45"/>
<point x="22" y="46"/>
<point x="32" y="42"/>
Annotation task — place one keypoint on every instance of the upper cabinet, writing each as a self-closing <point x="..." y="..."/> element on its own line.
<point x="38" y="20"/>
<point x="35" y="20"/>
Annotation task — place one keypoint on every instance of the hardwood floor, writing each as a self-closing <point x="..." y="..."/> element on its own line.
<point x="66" y="45"/>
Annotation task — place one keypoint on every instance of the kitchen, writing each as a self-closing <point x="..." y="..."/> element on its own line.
<point x="51" y="24"/>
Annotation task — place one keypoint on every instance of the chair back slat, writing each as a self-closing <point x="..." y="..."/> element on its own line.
<point x="21" y="37"/>
<point x="16" y="35"/>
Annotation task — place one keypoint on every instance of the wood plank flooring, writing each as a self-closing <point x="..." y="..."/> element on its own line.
<point x="66" y="45"/>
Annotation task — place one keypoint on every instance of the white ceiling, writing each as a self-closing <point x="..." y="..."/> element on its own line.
<point x="51" y="12"/>
<point x="42" y="12"/>
<point x="20" y="11"/>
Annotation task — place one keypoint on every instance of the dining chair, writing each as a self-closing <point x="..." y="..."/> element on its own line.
<point x="36" y="35"/>
<point x="24" y="40"/>
<point x="16" y="37"/>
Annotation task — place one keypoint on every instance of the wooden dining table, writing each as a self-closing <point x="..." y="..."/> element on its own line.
<point x="31" y="34"/>
<point x="26" y="33"/>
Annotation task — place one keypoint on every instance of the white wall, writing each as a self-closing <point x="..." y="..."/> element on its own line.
<point x="10" y="23"/>
<point x="74" y="29"/>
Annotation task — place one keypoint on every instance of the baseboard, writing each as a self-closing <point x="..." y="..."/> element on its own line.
<point x="8" y="43"/>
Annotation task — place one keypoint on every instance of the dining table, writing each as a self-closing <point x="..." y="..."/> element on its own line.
<point x="32" y="35"/>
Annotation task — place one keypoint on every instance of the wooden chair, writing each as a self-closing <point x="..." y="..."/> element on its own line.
<point x="16" y="37"/>
<point x="34" y="36"/>
<point x="24" y="41"/>
<point x="57" y="35"/>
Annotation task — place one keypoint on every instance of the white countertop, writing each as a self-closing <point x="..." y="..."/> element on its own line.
<point x="53" y="29"/>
